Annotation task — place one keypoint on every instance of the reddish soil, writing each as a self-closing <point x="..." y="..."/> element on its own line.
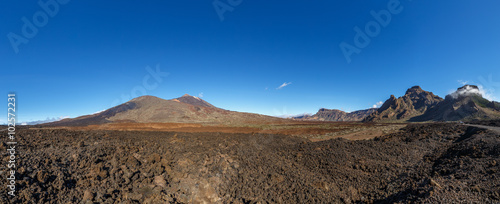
<point x="298" y="128"/>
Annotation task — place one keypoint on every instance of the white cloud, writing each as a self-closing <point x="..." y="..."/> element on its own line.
<point x="48" y="120"/>
<point x="278" y="113"/>
<point x="200" y="95"/>
<point x="284" y="85"/>
<point x="99" y="111"/>
<point x="463" y="82"/>
<point x="294" y="115"/>
<point x="378" y="104"/>
<point x="489" y="86"/>
<point x="469" y="90"/>
<point x="285" y="114"/>
<point x="486" y="87"/>
<point x="487" y="93"/>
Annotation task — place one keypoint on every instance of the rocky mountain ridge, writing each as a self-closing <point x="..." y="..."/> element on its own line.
<point x="417" y="105"/>
<point x="415" y="102"/>
<point x="324" y="114"/>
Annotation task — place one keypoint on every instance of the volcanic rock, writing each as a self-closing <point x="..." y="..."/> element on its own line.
<point x="466" y="104"/>
<point x="415" y="102"/>
<point x="324" y="114"/>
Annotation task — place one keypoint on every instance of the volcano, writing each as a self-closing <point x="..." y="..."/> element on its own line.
<point x="151" y="109"/>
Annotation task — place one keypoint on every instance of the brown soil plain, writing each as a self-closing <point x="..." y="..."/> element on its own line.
<point x="285" y="162"/>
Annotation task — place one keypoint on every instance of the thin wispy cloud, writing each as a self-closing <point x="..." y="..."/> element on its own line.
<point x="378" y="104"/>
<point x="489" y="86"/>
<point x="463" y="82"/>
<point x="48" y="120"/>
<point x="284" y="85"/>
<point x="200" y="95"/>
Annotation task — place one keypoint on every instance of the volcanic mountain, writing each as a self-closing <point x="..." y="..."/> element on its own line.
<point x="466" y="103"/>
<point x="324" y="114"/>
<point x="193" y="100"/>
<point x="151" y="109"/>
<point x="414" y="103"/>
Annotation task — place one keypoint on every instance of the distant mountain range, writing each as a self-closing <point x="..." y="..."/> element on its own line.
<point x="150" y="109"/>
<point x="465" y="104"/>
<point x="416" y="105"/>
<point x="337" y="115"/>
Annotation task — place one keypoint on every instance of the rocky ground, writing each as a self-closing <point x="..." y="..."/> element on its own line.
<point x="495" y="123"/>
<point x="423" y="163"/>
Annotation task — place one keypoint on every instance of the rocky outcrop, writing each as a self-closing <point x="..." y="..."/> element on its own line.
<point x="338" y="115"/>
<point x="466" y="103"/>
<point x="417" y="105"/>
<point x="415" y="102"/>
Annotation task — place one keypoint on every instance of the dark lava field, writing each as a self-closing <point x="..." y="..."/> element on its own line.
<point x="422" y="163"/>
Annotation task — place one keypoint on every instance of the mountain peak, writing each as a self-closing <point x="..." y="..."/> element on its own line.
<point x="468" y="86"/>
<point x="151" y="109"/>
<point x="466" y="90"/>
<point x="415" y="102"/>
<point x="466" y="103"/>
<point x="193" y="100"/>
<point x="145" y="97"/>
<point x="189" y="96"/>
<point x="414" y="89"/>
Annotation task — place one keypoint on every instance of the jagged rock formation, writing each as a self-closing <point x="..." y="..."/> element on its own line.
<point x="324" y="114"/>
<point x="418" y="105"/>
<point x="415" y="102"/>
<point x="466" y="103"/>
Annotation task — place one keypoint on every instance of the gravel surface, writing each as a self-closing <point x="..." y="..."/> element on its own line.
<point x="423" y="163"/>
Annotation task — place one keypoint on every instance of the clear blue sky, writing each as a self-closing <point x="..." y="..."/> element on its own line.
<point x="88" y="54"/>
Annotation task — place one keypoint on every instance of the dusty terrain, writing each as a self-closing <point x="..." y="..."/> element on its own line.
<point x="422" y="163"/>
<point x="314" y="130"/>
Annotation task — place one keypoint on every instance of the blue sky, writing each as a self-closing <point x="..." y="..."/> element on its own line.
<point x="87" y="56"/>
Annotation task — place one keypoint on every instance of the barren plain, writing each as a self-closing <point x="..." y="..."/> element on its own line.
<point x="295" y="162"/>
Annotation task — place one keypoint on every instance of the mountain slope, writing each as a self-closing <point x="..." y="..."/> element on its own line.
<point x="193" y="100"/>
<point x="415" y="102"/>
<point x="150" y="109"/>
<point x="466" y="103"/>
<point x="324" y="114"/>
